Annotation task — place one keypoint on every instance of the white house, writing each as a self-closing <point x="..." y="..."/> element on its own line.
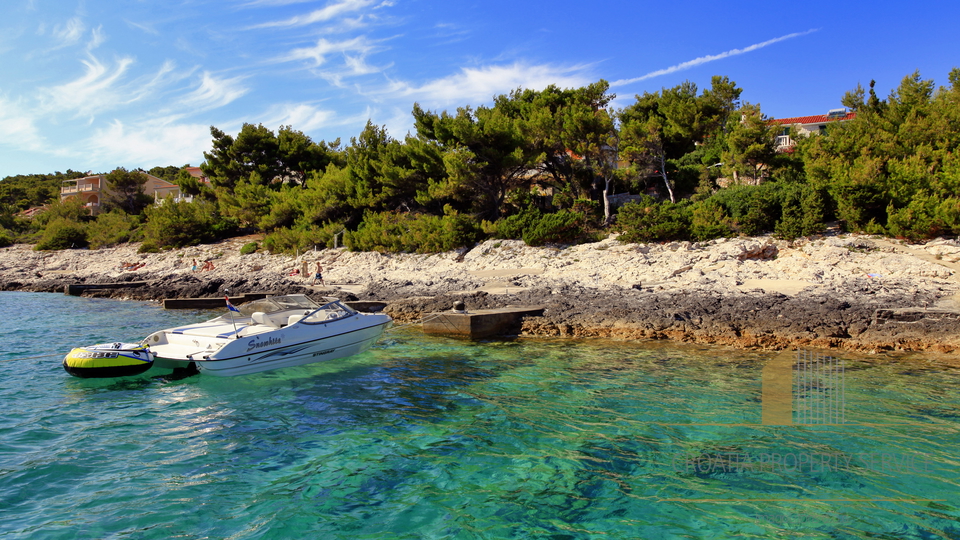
<point x="90" y="189"/>
<point x="806" y="125"/>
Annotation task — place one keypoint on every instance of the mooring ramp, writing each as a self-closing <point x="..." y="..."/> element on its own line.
<point x="481" y="323"/>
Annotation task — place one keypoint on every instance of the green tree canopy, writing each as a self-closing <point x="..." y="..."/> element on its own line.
<point x="25" y="191"/>
<point x="751" y="145"/>
<point x="660" y="129"/>
<point x="233" y="160"/>
<point x="124" y="191"/>
<point x="557" y="125"/>
<point x="485" y="153"/>
<point x="895" y="153"/>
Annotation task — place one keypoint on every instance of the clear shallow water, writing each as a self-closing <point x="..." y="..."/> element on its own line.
<point x="424" y="437"/>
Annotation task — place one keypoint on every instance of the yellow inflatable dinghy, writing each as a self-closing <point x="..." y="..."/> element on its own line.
<point x="108" y="360"/>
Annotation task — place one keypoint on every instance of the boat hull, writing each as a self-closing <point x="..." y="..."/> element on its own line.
<point x="224" y="364"/>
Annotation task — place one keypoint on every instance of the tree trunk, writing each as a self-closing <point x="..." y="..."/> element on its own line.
<point x="666" y="181"/>
<point x="607" y="218"/>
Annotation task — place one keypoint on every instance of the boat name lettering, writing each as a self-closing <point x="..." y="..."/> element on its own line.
<point x="256" y="344"/>
<point x="321" y="353"/>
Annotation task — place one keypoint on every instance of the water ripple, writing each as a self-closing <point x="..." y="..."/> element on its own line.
<point x="437" y="438"/>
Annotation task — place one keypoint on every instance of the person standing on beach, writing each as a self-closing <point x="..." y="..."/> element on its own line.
<point x="319" y="275"/>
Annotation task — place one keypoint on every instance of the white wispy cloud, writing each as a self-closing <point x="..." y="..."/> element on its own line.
<point x="96" y="38"/>
<point x="148" y="28"/>
<point x="108" y="86"/>
<point x="449" y="33"/>
<point x="70" y="32"/>
<point x="357" y="65"/>
<point x="345" y="25"/>
<point x="257" y="3"/>
<point x="161" y="141"/>
<point x="326" y="13"/>
<point x="709" y="58"/>
<point x="352" y="66"/>
<point x="18" y="127"/>
<point x="319" y="52"/>
<point x="480" y="85"/>
<point x="301" y="116"/>
<point x="214" y="92"/>
<point x="398" y="121"/>
<point x="96" y="90"/>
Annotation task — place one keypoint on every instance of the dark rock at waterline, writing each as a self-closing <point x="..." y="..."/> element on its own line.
<point x="844" y="318"/>
<point x="773" y="321"/>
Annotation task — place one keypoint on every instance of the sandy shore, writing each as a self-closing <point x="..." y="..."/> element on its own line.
<point x="845" y="291"/>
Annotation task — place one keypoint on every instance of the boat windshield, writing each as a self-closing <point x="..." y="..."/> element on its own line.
<point x="277" y="303"/>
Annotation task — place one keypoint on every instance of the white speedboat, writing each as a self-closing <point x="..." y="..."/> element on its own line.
<point x="271" y="333"/>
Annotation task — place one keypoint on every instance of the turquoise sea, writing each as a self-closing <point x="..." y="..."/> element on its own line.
<point x="427" y="437"/>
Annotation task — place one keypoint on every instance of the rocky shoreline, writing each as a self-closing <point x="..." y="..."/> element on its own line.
<point x="848" y="292"/>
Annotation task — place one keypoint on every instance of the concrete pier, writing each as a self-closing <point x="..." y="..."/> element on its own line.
<point x="215" y="302"/>
<point x="76" y="289"/>
<point x="481" y="323"/>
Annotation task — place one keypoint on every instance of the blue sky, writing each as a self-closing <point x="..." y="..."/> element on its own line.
<point x="98" y="84"/>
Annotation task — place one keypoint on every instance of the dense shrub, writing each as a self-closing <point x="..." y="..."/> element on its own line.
<point x="561" y="227"/>
<point x="709" y="220"/>
<point x="8" y="217"/>
<point x="536" y="228"/>
<point x="178" y="224"/>
<point x="6" y="238"/>
<point x="513" y="227"/>
<point x="647" y="220"/>
<point x="804" y="209"/>
<point x="70" y="209"/>
<point x="249" y="247"/>
<point x="858" y="204"/>
<point x="815" y="204"/>
<point x="387" y="233"/>
<point x="421" y="233"/>
<point x="300" y="239"/>
<point x="62" y="233"/>
<point x="591" y="211"/>
<point x="113" y="228"/>
<point x="925" y="217"/>
<point x="753" y="209"/>
<point x="460" y="230"/>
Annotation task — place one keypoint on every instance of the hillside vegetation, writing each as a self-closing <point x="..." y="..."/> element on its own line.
<point x="543" y="166"/>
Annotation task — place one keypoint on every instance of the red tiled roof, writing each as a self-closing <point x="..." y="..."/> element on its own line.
<point x="815" y="119"/>
<point x="197" y="173"/>
<point x="30" y="212"/>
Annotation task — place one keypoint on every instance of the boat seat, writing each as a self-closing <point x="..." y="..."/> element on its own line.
<point x="293" y="319"/>
<point x="260" y="317"/>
